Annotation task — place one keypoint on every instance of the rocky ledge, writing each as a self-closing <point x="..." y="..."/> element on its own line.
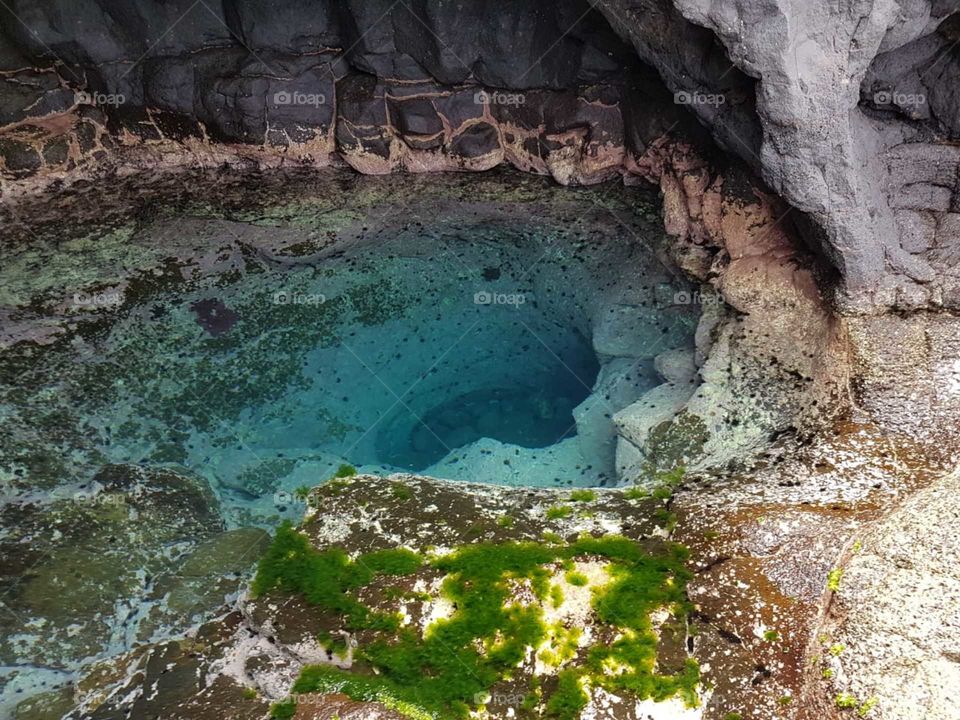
<point x="408" y="597"/>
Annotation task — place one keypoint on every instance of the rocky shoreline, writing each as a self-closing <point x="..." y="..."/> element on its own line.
<point x="762" y="574"/>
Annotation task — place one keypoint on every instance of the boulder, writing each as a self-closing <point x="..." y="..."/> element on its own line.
<point x="636" y="331"/>
<point x="677" y="366"/>
<point x="621" y="381"/>
<point x="659" y="405"/>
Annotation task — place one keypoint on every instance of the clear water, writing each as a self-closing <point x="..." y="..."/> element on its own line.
<point x="459" y="341"/>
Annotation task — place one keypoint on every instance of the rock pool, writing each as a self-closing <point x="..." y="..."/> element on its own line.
<point x="238" y="353"/>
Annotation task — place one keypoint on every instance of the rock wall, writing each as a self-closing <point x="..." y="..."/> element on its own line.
<point x="370" y="84"/>
<point x="772" y="357"/>
<point x="847" y="110"/>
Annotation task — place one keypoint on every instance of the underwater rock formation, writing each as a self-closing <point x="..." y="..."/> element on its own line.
<point x="859" y="144"/>
<point x="114" y="561"/>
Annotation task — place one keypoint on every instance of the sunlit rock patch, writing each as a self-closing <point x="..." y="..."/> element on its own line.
<point x="885" y="645"/>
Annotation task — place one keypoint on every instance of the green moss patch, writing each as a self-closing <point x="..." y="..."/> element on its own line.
<point x="446" y="670"/>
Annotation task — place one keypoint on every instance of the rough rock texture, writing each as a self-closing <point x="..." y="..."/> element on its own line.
<point x="908" y="373"/>
<point x="847" y="110"/>
<point x="384" y="87"/>
<point x="890" y="633"/>
<point x="120" y="560"/>
<point x="760" y="557"/>
<point x="849" y="113"/>
<point x="762" y="316"/>
<point x="859" y="143"/>
<point x="279" y="631"/>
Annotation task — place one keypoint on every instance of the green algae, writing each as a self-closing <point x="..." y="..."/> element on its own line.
<point x="401" y="491"/>
<point x="846" y="701"/>
<point x="833" y="579"/>
<point x="569" y="698"/>
<point x="377" y="302"/>
<point x="441" y="672"/>
<point x="41" y="272"/>
<point x="283" y="710"/>
<point x="265" y="476"/>
<point x="345" y="471"/>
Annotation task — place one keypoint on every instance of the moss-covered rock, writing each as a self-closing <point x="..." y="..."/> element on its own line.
<point x="443" y="609"/>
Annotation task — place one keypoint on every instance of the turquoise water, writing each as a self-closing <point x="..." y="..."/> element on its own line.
<point x="467" y="346"/>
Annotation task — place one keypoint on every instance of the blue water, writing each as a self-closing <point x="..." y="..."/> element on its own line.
<point x="469" y="349"/>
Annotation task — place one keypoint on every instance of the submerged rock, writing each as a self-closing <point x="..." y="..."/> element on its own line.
<point x="127" y="558"/>
<point x="214" y="316"/>
<point x="79" y="567"/>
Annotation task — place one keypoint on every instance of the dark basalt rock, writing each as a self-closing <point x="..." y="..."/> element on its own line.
<point x="362" y="116"/>
<point x="294" y="26"/>
<point x="19" y="158"/>
<point x="476" y="141"/>
<point x="221" y="67"/>
<point x="32" y="94"/>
